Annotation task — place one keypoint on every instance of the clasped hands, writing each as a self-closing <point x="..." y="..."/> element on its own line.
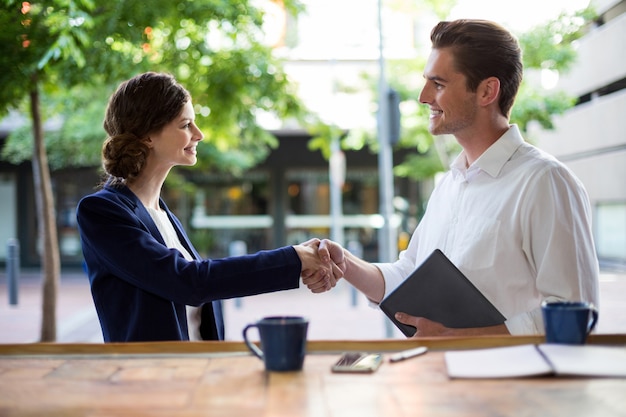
<point x="322" y="264"/>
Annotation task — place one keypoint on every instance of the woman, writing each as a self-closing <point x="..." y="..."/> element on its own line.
<point x="142" y="267"/>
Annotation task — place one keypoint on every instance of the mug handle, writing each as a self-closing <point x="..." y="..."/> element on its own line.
<point x="593" y="320"/>
<point x="253" y="348"/>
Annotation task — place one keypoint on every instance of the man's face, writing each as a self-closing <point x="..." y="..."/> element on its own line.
<point x="452" y="107"/>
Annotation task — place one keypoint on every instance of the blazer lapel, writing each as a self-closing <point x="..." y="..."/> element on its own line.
<point x="180" y="231"/>
<point x="141" y="212"/>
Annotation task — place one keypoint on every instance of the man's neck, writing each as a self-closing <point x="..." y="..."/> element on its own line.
<point x="477" y="143"/>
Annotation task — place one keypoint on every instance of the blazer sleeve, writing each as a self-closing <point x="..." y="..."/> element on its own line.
<point x="116" y="242"/>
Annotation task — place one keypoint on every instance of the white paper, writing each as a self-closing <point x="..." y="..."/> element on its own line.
<point x="586" y="360"/>
<point x="527" y="360"/>
<point x="502" y="362"/>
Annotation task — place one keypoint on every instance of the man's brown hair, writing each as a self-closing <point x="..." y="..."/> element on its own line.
<point x="483" y="49"/>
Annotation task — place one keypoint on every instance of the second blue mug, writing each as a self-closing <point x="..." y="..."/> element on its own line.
<point x="568" y="322"/>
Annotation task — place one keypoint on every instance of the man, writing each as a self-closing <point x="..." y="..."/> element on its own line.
<point x="515" y="220"/>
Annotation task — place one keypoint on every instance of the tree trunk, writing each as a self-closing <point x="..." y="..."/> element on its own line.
<point x="48" y="241"/>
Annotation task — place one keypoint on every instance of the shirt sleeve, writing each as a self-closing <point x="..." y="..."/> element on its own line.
<point x="395" y="273"/>
<point x="558" y="243"/>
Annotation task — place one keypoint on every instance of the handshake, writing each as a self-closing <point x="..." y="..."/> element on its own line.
<point x="323" y="264"/>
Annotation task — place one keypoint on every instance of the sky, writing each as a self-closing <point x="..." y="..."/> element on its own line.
<point x="516" y="15"/>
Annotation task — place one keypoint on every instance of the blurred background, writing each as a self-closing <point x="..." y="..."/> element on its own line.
<point x="312" y="129"/>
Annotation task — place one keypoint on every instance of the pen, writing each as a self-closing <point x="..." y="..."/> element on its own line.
<point x="407" y="354"/>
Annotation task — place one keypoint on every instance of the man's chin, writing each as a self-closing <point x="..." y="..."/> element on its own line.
<point x="436" y="131"/>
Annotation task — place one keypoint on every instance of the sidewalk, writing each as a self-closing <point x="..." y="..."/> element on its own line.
<point x="333" y="316"/>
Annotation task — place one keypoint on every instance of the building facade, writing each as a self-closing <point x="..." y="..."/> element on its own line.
<point x="591" y="137"/>
<point x="287" y="199"/>
<point x="283" y="201"/>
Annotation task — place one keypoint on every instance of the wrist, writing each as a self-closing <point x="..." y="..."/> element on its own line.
<point x="345" y="261"/>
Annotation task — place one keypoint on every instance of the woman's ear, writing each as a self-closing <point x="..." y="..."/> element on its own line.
<point x="489" y="91"/>
<point x="148" y="142"/>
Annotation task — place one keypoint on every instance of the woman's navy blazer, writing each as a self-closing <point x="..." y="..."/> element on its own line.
<point x="140" y="287"/>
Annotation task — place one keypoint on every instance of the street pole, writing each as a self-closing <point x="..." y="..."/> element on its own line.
<point x="387" y="238"/>
<point x="13" y="270"/>
<point x="337" y="167"/>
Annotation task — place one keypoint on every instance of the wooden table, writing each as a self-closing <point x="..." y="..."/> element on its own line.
<point x="222" y="379"/>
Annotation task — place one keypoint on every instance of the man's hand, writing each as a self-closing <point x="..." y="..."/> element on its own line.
<point x="333" y="252"/>
<point x="429" y="328"/>
<point x="423" y="326"/>
<point x="319" y="274"/>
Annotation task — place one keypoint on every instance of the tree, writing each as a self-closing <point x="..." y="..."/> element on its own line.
<point x="34" y="38"/>
<point x="404" y="76"/>
<point x="548" y="47"/>
<point x="58" y="56"/>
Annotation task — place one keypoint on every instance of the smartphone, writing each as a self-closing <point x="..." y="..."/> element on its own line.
<point x="358" y="362"/>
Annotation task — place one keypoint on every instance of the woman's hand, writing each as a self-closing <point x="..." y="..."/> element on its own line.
<point x="319" y="273"/>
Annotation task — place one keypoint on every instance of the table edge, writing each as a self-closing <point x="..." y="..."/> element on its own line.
<point x="313" y="346"/>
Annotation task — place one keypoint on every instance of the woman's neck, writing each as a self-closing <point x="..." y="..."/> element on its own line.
<point x="148" y="189"/>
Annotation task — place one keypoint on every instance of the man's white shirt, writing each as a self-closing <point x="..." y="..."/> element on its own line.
<point x="517" y="223"/>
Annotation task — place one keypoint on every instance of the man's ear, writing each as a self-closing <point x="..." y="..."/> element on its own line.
<point x="489" y="91"/>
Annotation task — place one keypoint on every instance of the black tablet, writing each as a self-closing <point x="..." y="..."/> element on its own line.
<point x="438" y="291"/>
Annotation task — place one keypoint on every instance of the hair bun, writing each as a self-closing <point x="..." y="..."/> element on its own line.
<point x="124" y="155"/>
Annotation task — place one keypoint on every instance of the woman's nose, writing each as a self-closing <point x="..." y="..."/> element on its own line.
<point x="199" y="135"/>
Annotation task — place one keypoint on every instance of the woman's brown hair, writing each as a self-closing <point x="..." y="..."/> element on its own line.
<point x="140" y="106"/>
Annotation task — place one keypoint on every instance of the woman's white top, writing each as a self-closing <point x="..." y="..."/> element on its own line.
<point x="170" y="236"/>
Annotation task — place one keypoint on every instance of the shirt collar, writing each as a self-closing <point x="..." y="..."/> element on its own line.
<point x="493" y="159"/>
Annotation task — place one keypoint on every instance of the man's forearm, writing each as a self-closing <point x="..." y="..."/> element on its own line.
<point x="364" y="276"/>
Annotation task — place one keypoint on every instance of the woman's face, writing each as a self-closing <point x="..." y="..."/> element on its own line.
<point x="176" y="143"/>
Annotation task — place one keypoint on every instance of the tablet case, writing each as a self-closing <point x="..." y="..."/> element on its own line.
<point x="438" y="291"/>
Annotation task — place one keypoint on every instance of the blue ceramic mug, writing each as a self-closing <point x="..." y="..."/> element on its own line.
<point x="283" y="342"/>
<point x="568" y="322"/>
